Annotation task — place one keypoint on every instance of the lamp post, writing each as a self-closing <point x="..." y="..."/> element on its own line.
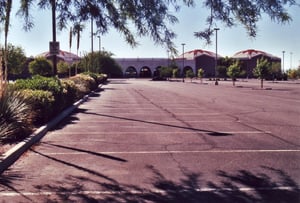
<point x="99" y="37"/>
<point x="216" y="59"/>
<point x="291" y="62"/>
<point x="183" y="61"/>
<point x="283" y="61"/>
<point x="54" y="46"/>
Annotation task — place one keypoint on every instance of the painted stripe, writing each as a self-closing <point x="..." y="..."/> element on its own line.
<point x="107" y="192"/>
<point x="158" y="132"/>
<point x="184" y="152"/>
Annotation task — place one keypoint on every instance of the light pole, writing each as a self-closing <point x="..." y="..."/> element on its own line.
<point x="99" y="37"/>
<point x="54" y="46"/>
<point x="283" y="61"/>
<point x="291" y="62"/>
<point x="183" y="61"/>
<point x="216" y="59"/>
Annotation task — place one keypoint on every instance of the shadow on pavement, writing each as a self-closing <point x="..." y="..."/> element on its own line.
<point x="242" y="186"/>
<point x="7" y="182"/>
<point x="85" y="151"/>
<point x="208" y="132"/>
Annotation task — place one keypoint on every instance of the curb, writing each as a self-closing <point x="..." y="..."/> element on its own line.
<point x="13" y="154"/>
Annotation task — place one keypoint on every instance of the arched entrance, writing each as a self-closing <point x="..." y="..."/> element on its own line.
<point x="131" y="72"/>
<point x="187" y="68"/>
<point x="145" y="72"/>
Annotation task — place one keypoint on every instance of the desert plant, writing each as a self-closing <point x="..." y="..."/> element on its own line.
<point x="84" y="83"/>
<point x="15" y="116"/>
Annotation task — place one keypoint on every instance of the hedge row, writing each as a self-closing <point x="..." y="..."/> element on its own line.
<point x="45" y="97"/>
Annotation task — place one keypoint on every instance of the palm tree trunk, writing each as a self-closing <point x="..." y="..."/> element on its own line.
<point x="6" y="29"/>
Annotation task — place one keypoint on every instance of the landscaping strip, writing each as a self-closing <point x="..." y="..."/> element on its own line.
<point x="12" y="155"/>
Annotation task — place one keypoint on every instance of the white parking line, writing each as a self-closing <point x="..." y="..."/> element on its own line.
<point x="107" y="192"/>
<point x="191" y="131"/>
<point x="183" y="152"/>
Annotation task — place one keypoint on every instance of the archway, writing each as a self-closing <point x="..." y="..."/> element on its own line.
<point x="145" y="72"/>
<point x="187" y="68"/>
<point x="131" y="72"/>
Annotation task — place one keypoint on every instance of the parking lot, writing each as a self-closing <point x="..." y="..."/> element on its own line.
<point x="160" y="141"/>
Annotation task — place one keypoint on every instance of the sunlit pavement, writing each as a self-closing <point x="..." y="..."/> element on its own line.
<point x="145" y="141"/>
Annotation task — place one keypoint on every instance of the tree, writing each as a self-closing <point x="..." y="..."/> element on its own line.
<point x="276" y="71"/>
<point x="63" y="68"/>
<point x="40" y="66"/>
<point x="244" y="12"/>
<point x="222" y="70"/>
<point x="200" y="74"/>
<point x="16" y="59"/>
<point x="262" y="69"/>
<point x="234" y="71"/>
<point x="166" y="72"/>
<point x="104" y="63"/>
<point x="190" y="74"/>
<point x="293" y="74"/>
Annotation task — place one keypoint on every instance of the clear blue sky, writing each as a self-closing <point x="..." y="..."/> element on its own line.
<point x="272" y="38"/>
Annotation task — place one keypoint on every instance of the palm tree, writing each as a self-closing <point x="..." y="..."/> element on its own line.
<point x="5" y="10"/>
<point x="76" y="31"/>
<point x="6" y="28"/>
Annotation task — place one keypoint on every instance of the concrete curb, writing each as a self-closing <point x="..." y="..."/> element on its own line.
<point x="14" y="153"/>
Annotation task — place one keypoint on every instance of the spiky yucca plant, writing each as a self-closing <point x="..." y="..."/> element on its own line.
<point x="15" y="116"/>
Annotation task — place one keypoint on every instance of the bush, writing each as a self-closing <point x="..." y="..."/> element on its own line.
<point x="43" y="103"/>
<point x="40" y="83"/>
<point x="52" y="85"/>
<point x="40" y="66"/>
<point x="84" y="83"/>
<point x="63" y="68"/>
<point x="15" y="116"/>
<point x="70" y="92"/>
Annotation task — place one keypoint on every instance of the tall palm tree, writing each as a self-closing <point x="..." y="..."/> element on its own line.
<point x="6" y="29"/>
<point x="76" y="31"/>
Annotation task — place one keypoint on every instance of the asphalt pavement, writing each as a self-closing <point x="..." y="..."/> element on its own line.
<point x="159" y="141"/>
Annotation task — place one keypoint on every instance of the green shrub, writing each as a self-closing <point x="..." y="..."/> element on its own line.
<point x="52" y="85"/>
<point x="15" y="117"/>
<point x="40" y="66"/>
<point x="43" y="103"/>
<point x="40" y="83"/>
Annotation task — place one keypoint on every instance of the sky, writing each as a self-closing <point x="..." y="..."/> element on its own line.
<point x="271" y="37"/>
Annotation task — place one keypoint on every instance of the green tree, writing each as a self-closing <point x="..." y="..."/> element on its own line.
<point x="16" y="59"/>
<point x="234" y="71"/>
<point x="276" y="71"/>
<point x="40" y="66"/>
<point x="222" y="70"/>
<point x="103" y="63"/>
<point x="292" y="74"/>
<point x="262" y="69"/>
<point x="166" y="72"/>
<point x="190" y="74"/>
<point x="63" y="68"/>
<point x="200" y="74"/>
